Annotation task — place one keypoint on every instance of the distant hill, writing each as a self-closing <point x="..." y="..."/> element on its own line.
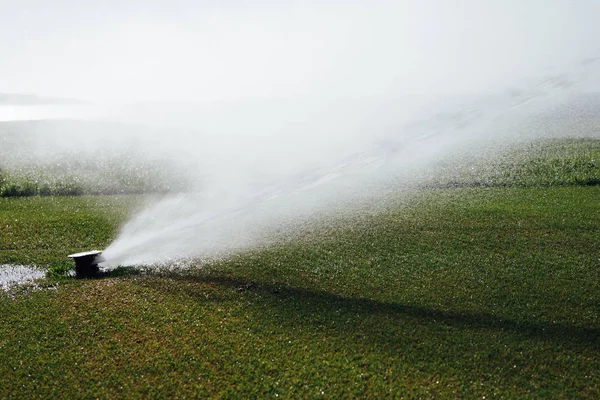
<point x="32" y="99"/>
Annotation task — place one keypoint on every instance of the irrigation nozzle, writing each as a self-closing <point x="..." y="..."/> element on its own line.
<point x="86" y="263"/>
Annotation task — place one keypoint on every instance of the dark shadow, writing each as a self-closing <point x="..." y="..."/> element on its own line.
<point x="120" y="272"/>
<point x="323" y="302"/>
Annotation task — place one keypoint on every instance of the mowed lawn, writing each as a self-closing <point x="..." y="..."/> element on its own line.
<point x="461" y="292"/>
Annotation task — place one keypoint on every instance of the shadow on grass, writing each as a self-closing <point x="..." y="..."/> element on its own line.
<point x="309" y="303"/>
<point x="120" y="272"/>
<point x="61" y="271"/>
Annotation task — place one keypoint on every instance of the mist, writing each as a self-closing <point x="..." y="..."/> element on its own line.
<point x="274" y="115"/>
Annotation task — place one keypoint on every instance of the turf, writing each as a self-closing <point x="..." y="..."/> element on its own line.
<point x="537" y="163"/>
<point x="42" y="230"/>
<point x="59" y="158"/>
<point x="461" y="292"/>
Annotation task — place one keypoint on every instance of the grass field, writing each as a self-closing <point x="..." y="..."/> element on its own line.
<point x="73" y="158"/>
<point x="466" y="291"/>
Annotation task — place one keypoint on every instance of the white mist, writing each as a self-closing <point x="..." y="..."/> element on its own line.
<point x="274" y="114"/>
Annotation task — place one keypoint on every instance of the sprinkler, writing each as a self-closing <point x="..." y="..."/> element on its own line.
<point x="86" y="263"/>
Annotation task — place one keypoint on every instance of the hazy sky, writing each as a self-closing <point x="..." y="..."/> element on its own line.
<point x="178" y="50"/>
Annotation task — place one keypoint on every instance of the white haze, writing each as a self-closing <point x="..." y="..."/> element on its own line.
<point x="280" y="112"/>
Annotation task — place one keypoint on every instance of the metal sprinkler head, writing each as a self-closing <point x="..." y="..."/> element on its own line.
<point x="86" y="263"/>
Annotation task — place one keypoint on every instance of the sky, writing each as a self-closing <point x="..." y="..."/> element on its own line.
<point x="194" y="50"/>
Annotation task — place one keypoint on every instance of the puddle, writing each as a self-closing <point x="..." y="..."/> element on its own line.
<point x="13" y="275"/>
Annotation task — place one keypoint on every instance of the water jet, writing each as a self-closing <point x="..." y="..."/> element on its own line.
<point x="86" y="263"/>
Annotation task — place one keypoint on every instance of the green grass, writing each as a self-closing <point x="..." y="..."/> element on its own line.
<point x="42" y="230"/>
<point x="51" y="158"/>
<point x="463" y="292"/>
<point x="540" y="163"/>
<point x="77" y="179"/>
<point x="556" y="162"/>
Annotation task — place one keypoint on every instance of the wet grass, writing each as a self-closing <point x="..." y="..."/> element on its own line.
<point x="539" y="163"/>
<point x="462" y="292"/>
<point x="42" y="158"/>
<point x="72" y="178"/>
<point x="42" y="230"/>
